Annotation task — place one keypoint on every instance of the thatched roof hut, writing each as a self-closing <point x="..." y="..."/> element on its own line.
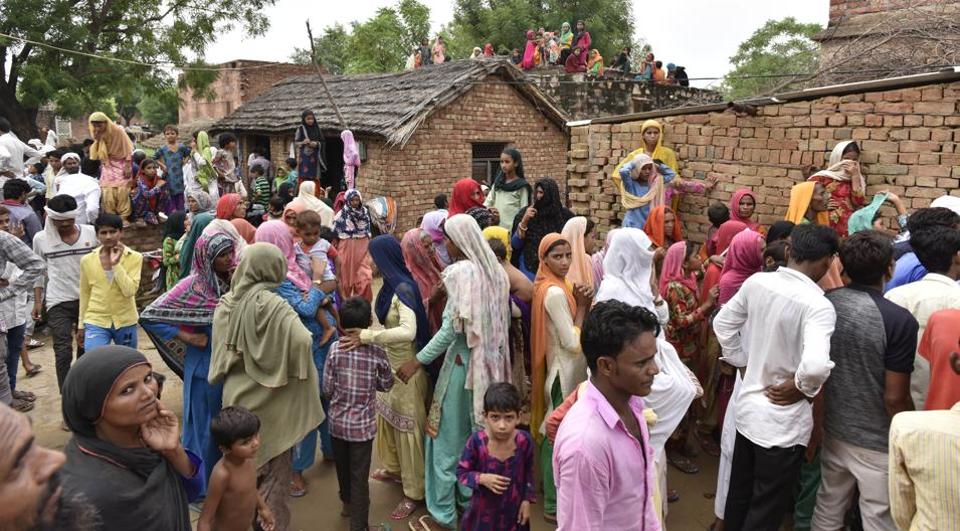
<point x="391" y="105"/>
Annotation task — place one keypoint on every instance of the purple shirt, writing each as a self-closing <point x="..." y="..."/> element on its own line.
<point x="604" y="475"/>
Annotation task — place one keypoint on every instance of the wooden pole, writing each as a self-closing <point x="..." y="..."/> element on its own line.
<point x="326" y="90"/>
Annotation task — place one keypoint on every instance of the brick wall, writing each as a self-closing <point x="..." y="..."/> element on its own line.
<point x="144" y="239"/>
<point x="841" y="9"/>
<point x="593" y="98"/>
<point x="440" y="152"/>
<point x="235" y="87"/>
<point x="910" y="140"/>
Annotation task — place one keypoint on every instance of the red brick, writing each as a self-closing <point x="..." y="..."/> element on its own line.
<point x="939" y="108"/>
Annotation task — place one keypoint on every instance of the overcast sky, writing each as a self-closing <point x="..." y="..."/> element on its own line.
<point x="698" y="34"/>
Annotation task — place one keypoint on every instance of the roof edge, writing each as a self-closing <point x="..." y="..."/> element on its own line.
<point x="945" y="75"/>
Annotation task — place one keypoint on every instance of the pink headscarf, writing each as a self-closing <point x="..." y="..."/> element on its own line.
<point x="744" y="258"/>
<point x="735" y="208"/>
<point x="529" y="52"/>
<point x="421" y="262"/>
<point x="277" y="233"/>
<point x="351" y="158"/>
<point x="673" y="269"/>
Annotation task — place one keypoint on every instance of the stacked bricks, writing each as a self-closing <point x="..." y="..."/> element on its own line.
<point x="910" y="141"/>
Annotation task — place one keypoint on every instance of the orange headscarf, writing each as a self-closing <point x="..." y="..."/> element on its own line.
<point x="655" y="225"/>
<point x="538" y="329"/>
<point x="800" y="196"/>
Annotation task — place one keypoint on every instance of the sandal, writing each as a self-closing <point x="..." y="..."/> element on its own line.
<point x="35" y="344"/>
<point x="427" y="523"/>
<point x="382" y="474"/>
<point x="682" y="463"/>
<point x="673" y="495"/>
<point x="297" y="491"/>
<point x="34" y="369"/>
<point x="21" y="405"/>
<point x="709" y="446"/>
<point x="24" y="395"/>
<point x="404" y="509"/>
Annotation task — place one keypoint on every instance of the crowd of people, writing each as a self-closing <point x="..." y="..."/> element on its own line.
<point x="515" y="360"/>
<point x="570" y="49"/>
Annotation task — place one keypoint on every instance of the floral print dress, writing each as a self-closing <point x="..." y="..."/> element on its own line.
<point x="489" y="511"/>
<point x="844" y="201"/>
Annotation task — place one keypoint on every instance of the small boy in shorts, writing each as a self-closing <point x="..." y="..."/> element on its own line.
<point x="232" y="498"/>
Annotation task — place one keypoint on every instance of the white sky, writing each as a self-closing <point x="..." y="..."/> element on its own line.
<point x="699" y="34"/>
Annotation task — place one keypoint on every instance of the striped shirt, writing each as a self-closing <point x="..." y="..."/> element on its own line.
<point x="351" y="380"/>
<point x="924" y="474"/>
<point x="261" y="192"/>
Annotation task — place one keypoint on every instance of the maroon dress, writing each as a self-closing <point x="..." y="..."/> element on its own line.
<point x="489" y="511"/>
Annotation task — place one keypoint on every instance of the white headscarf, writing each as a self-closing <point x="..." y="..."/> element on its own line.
<point x="478" y="301"/>
<point x="307" y="198"/>
<point x="947" y="201"/>
<point x="835" y="169"/>
<point x="53" y="237"/>
<point x="627" y="267"/>
<point x="224" y="226"/>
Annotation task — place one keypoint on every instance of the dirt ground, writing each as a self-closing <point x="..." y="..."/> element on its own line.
<point x="320" y="508"/>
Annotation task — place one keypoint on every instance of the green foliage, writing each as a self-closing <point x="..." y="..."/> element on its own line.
<point x="160" y="108"/>
<point x="332" y="47"/>
<point x="778" y="47"/>
<point x="149" y="31"/>
<point x="379" y="44"/>
<point x="504" y="23"/>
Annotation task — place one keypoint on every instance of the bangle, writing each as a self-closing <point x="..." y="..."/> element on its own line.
<point x="522" y="228"/>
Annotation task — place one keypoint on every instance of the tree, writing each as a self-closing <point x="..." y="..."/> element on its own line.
<point x="160" y="108"/>
<point x="504" y="23"/>
<point x="333" y="50"/>
<point x="762" y="62"/>
<point x="136" y="31"/>
<point x="127" y="98"/>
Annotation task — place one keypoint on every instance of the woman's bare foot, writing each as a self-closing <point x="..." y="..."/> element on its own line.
<point x="382" y="474"/>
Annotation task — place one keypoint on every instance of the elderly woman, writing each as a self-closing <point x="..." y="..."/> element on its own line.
<point x="307" y="200"/>
<point x="263" y="355"/>
<point x="642" y="186"/>
<point x="125" y="456"/>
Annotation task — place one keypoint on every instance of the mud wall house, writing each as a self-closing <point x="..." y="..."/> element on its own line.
<point x="419" y="131"/>
<point x="908" y="129"/>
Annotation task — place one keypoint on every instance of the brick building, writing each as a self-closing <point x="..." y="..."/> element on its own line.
<point x="237" y="83"/>
<point x="908" y="129"/>
<point x="419" y="131"/>
<point x="872" y="39"/>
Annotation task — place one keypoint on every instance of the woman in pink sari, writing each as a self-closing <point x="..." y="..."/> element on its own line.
<point x="352" y="227"/>
<point x="421" y="260"/>
<point x="743" y="204"/>
<point x="582" y="41"/>
<point x="351" y="159"/>
<point x="529" y="54"/>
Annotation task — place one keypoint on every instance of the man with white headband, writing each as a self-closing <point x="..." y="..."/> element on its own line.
<point x="83" y="188"/>
<point x="61" y="245"/>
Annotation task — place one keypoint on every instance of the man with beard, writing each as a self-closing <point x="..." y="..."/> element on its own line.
<point x="83" y="188"/>
<point x="30" y="495"/>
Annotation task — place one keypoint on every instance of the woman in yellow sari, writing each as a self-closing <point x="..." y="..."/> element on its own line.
<point x="113" y="148"/>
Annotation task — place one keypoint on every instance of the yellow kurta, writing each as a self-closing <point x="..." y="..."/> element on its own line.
<point x="401" y="413"/>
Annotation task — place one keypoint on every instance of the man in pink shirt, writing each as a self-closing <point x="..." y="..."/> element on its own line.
<point x="602" y="458"/>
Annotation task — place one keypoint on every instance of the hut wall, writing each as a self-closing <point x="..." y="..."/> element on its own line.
<point x="910" y="141"/>
<point x="440" y="151"/>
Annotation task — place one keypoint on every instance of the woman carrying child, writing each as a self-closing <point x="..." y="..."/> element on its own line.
<point x="302" y="293"/>
<point x="401" y="413"/>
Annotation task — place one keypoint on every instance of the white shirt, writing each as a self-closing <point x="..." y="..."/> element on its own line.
<point x="14" y="151"/>
<point x="784" y="322"/>
<point x="62" y="279"/>
<point x="14" y="310"/>
<point x="922" y="298"/>
<point x="86" y="190"/>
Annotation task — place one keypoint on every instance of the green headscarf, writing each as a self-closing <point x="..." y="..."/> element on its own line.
<point x="263" y="353"/>
<point x="863" y="219"/>
<point x="205" y="172"/>
<point x="197" y="224"/>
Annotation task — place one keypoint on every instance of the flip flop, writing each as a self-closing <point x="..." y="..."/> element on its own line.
<point x="25" y="395"/>
<point x="21" y="405"/>
<point x="297" y="492"/>
<point x="381" y="474"/>
<point x="709" y="446"/>
<point x="35" y="370"/>
<point x="34" y="344"/>
<point x="404" y="509"/>
<point x="429" y="524"/>
<point x="672" y="495"/>
<point x="682" y="464"/>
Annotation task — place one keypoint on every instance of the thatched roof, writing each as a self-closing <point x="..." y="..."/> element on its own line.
<point x="391" y="106"/>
